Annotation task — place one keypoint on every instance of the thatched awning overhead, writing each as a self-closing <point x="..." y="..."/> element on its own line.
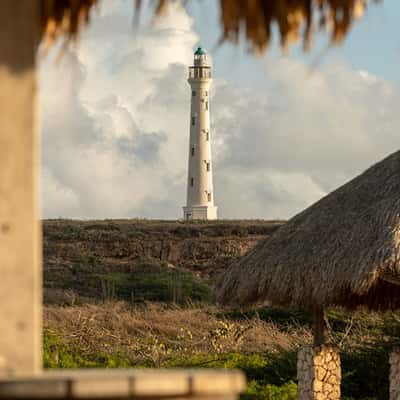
<point x="343" y="250"/>
<point x="295" y="19"/>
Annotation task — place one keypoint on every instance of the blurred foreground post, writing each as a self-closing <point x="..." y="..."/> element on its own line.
<point x="20" y="242"/>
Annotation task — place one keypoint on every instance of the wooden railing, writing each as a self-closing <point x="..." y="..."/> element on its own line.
<point x="125" y="384"/>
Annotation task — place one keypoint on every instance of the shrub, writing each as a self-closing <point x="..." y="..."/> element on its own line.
<point x="148" y="282"/>
<point x="257" y="391"/>
<point x="365" y="373"/>
<point x="58" y="354"/>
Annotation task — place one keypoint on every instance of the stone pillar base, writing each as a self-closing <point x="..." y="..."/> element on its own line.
<point x="318" y="373"/>
<point x="394" y="380"/>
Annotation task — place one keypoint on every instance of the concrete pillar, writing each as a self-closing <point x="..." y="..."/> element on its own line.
<point x="20" y="238"/>
<point x="318" y="373"/>
<point x="394" y="380"/>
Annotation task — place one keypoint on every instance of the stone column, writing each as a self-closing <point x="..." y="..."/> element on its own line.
<point x="318" y="373"/>
<point x="394" y="381"/>
<point x="20" y="243"/>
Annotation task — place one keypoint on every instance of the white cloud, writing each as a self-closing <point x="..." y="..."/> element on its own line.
<point x="308" y="133"/>
<point x="115" y="121"/>
<point x="112" y="119"/>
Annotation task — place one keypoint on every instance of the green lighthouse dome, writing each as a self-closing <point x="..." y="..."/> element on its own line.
<point x="200" y="52"/>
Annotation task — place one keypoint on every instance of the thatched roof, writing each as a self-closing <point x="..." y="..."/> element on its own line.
<point x="294" y="18"/>
<point x="343" y="250"/>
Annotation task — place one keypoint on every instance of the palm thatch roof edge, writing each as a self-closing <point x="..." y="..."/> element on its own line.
<point x="343" y="250"/>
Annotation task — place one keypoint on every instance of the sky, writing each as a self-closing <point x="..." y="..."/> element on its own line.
<point x="286" y="130"/>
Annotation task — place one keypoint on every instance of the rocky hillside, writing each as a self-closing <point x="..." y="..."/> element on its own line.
<point x="103" y="260"/>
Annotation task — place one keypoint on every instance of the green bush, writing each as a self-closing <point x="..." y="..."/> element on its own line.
<point x="365" y="373"/>
<point x="270" y="377"/>
<point x="149" y="282"/>
<point x="257" y="391"/>
<point x="57" y="354"/>
<point x="266" y="369"/>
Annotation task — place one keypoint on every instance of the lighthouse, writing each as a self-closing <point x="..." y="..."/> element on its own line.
<point x="200" y="194"/>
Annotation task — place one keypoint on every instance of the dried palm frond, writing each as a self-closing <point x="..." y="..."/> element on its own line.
<point x="295" y="19"/>
<point x="63" y="18"/>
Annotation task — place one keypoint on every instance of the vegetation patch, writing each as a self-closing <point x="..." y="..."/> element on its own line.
<point x="157" y="283"/>
<point x="171" y="336"/>
<point x="137" y="293"/>
<point x="60" y="354"/>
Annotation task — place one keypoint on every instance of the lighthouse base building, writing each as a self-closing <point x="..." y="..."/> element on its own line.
<point x="200" y="212"/>
<point x="200" y="194"/>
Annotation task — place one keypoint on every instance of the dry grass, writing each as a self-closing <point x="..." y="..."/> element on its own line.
<point x="153" y="332"/>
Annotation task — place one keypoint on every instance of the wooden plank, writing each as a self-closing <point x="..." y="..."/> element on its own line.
<point x="126" y="384"/>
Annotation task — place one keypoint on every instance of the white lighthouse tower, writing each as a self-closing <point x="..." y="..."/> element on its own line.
<point x="200" y="195"/>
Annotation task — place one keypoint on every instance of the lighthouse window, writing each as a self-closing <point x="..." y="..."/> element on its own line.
<point x="193" y="120"/>
<point x="192" y="151"/>
<point x="206" y="105"/>
<point x="208" y="166"/>
<point x="191" y="181"/>
<point x="193" y="93"/>
<point x="206" y="93"/>
<point x="207" y="135"/>
<point x="209" y="196"/>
